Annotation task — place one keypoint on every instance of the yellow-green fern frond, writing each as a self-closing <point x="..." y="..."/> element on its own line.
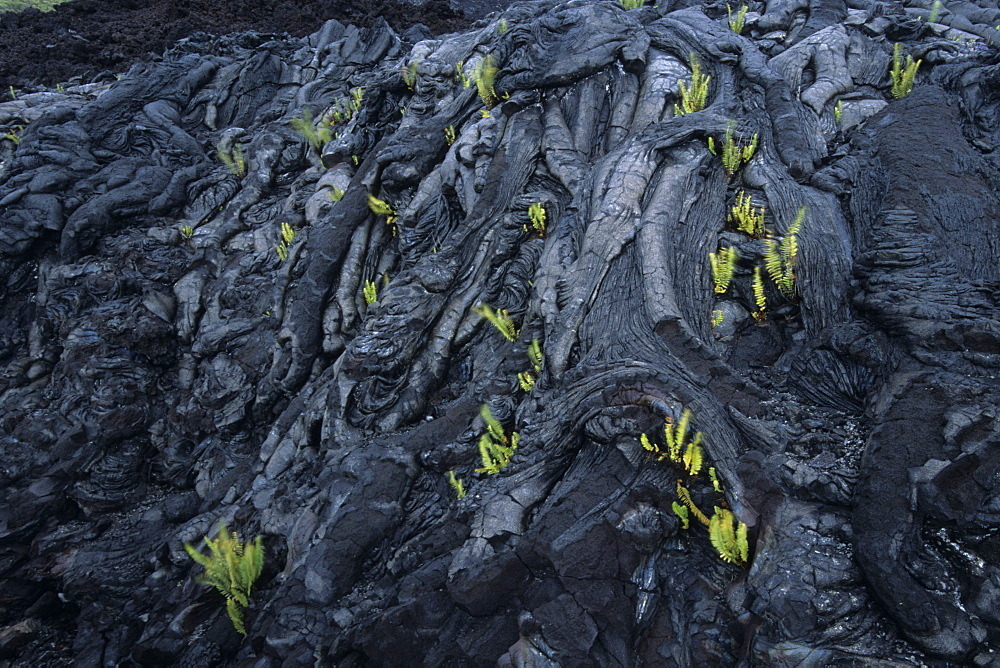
<point x="382" y="208"/>
<point x="748" y="218"/>
<point x="456" y="484"/>
<point x="758" y="294"/>
<point x="232" y="567"/>
<point x="694" y="98"/>
<point x="336" y="194"/>
<point x="683" y="513"/>
<point x="738" y="22"/>
<point x="495" y="448"/>
<point x="693" y="456"/>
<point x="287" y="233"/>
<point x="499" y="319"/>
<point x="723" y="267"/>
<point x="729" y="539"/>
<point x="484" y="75"/>
<point x="535" y="355"/>
<point x="902" y="74"/>
<point x="526" y="380"/>
<point x="370" y="292"/>
<point x="536" y="213"/>
<point x="714" y="477"/>
<point x="685" y="496"/>
<point x="734" y="154"/>
<point x="651" y="446"/>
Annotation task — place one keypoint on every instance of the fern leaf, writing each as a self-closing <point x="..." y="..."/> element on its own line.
<point x="714" y="477"/>
<point x="693" y="456"/>
<point x="650" y="445"/>
<point x="772" y="260"/>
<point x="235" y="616"/>
<point x="742" y="546"/>
<point x="683" y="513"/>
<point x="535" y="355"/>
<point x="526" y="380"/>
<point x="685" y="496"/>
<point x="729" y="542"/>
<point x="499" y="319"/>
<point x="758" y="293"/>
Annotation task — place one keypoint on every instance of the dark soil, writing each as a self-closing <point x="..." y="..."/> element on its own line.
<point x="88" y="37"/>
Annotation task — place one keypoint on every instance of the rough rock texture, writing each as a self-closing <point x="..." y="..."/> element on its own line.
<point x="98" y="38"/>
<point x="164" y="369"/>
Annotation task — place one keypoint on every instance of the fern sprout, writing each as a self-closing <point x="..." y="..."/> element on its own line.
<point x="902" y="74"/>
<point x="758" y="295"/>
<point x="495" y="447"/>
<point x="723" y="267"/>
<point x="748" y="218"/>
<point x="499" y="319"/>
<point x="728" y="538"/>
<point x="692" y="99"/>
<point x="232" y="567"/>
<point x="735" y="155"/>
<point x="738" y="22"/>
<point x="780" y="259"/>
<point x="484" y="75"/>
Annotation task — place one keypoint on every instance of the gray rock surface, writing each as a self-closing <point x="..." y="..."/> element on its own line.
<point x="164" y="369"/>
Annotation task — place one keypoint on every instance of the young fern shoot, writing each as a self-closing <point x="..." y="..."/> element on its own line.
<point x="232" y="567"/>
<point x="495" y="447"/>
<point x="735" y="155"/>
<point x="723" y="267"/>
<point x="499" y="319"/>
<point x="902" y="74"/>
<point x="694" y="98"/>
<point x="780" y="259"/>
<point x="737" y="22"/>
<point x="748" y="218"/>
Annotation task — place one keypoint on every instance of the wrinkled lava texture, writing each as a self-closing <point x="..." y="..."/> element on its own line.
<point x="188" y="339"/>
<point x="88" y="37"/>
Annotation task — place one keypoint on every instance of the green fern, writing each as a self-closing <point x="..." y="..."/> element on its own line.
<point x="728" y="538"/>
<point x="527" y="380"/>
<point x="536" y="213"/>
<point x="456" y="484"/>
<point x="232" y="158"/>
<point x="760" y="315"/>
<point x="902" y="74"/>
<point x="780" y="259"/>
<point x="723" y="267"/>
<point x="683" y="513"/>
<point x="738" y="22"/>
<point x="499" y="319"/>
<point x="232" y="567"/>
<point x="681" y="451"/>
<point x="685" y="496"/>
<point x="714" y="477"/>
<point x="316" y="134"/>
<point x="495" y="447"/>
<point x="382" y="208"/>
<point x="336" y="194"/>
<point x="410" y="73"/>
<point x="460" y="75"/>
<point x="535" y="355"/>
<point x="370" y="292"/>
<point x="484" y="75"/>
<point x="735" y="155"/>
<point x="748" y="218"/>
<point x="694" y="98"/>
